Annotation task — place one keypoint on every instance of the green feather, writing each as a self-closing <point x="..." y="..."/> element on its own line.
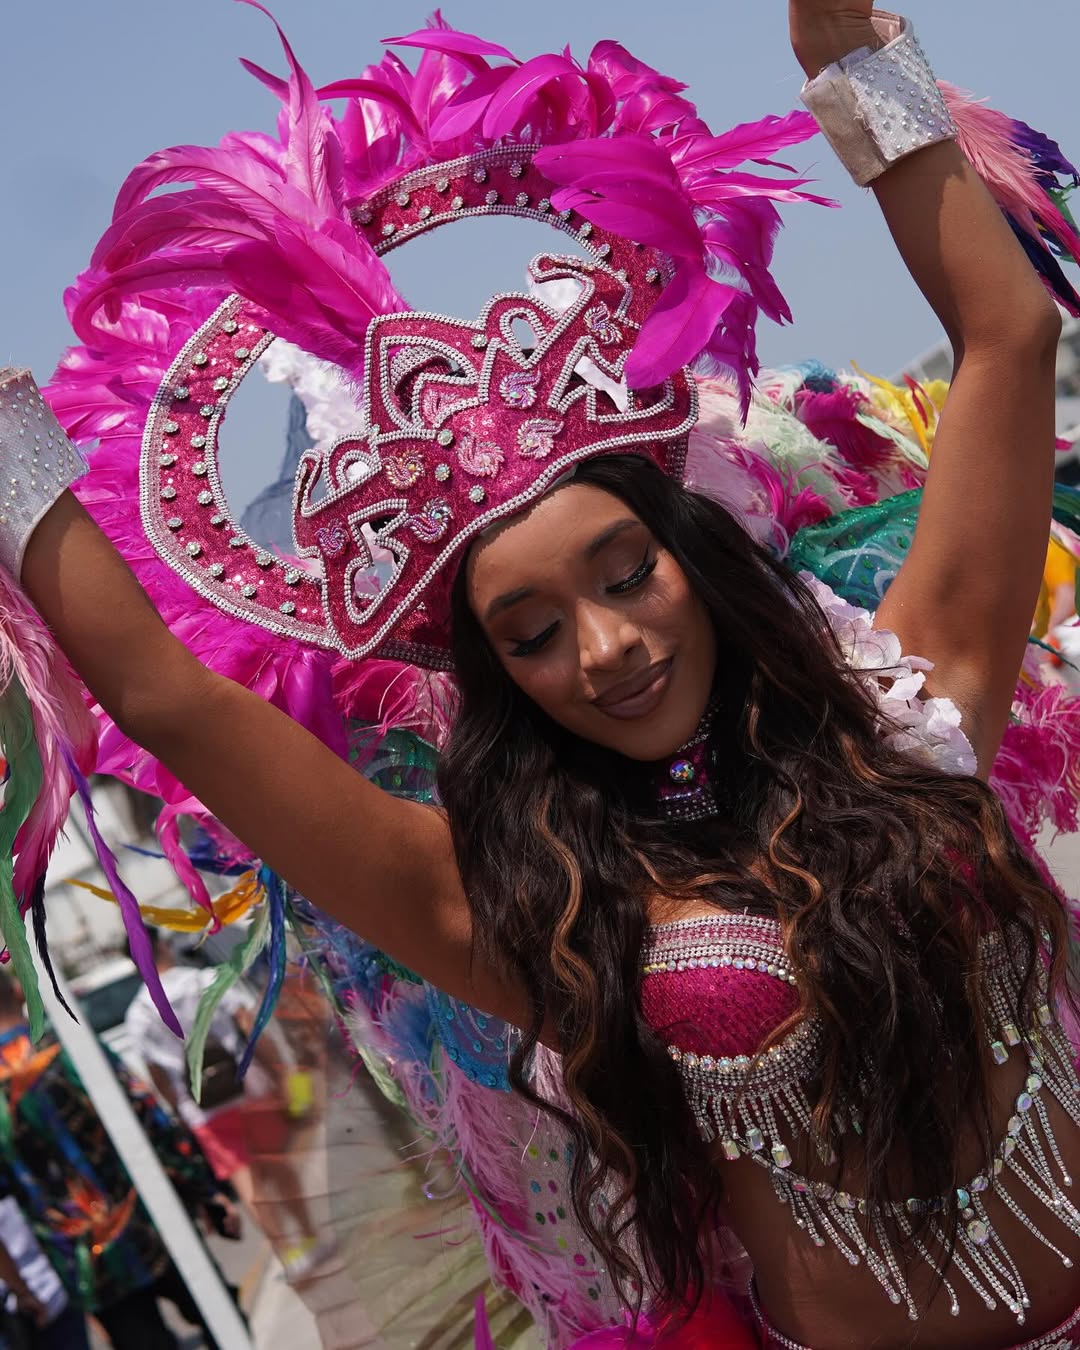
<point x="239" y="961"/>
<point x="20" y="794"/>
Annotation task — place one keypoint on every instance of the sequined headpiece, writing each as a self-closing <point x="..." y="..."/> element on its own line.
<point x="461" y="423"/>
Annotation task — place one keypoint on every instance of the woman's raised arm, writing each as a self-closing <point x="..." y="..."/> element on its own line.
<point x="966" y="594"/>
<point x="382" y="866"/>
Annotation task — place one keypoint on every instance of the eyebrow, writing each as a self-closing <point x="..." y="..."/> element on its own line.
<point x="595" y="546"/>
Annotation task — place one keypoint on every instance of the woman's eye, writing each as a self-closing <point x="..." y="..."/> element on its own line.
<point x="527" y="646"/>
<point x="640" y="574"/>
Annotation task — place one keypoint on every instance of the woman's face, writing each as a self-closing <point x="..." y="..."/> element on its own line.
<point x="596" y="622"/>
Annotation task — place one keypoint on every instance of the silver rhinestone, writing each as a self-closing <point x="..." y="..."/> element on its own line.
<point x="442" y="473"/>
<point x="522" y="199"/>
<point x="565" y="215"/>
<point x="218" y="521"/>
<point x="364" y="217"/>
<point x="221" y="383"/>
<point x="208" y="410"/>
<point x="170" y="428"/>
<point x="445" y="437"/>
<point x="603" y="250"/>
<point x="242" y="353"/>
<point x="479" y="340"/>
<point x="457" y="203"/>
<point x="249" y="592"/>
<point x="491" y="198"/>
<point x="194" y="549"/>
<point x="652" y="274"/>
<point x="199" y="468"/>
<point x="237" y="542"/>
<point x="174" y="522"/>
<point x="166" y="461"/>
<point x="229" y="326"/>
<point x="217" y="570"/>
<point x="205" y="498"/>
<point x="388" y="229"/>
<point x="480" y="176"/>
<point x="477" y="494"/>
<point x="292" y="577"/>
<point x="181" y="392"/>
<point x="168" y="493"/>
<point x="264" y="559"/>
<point x="199" y="359"/>
<point x="585" y="231"/>
<point x="287" y="607"/>
<point x="424" y="213"/>
<point x="544" y="204"/>
<point x="403" y="199"/>
<point x="516" y="169"/>
<point x="442" y="184"/>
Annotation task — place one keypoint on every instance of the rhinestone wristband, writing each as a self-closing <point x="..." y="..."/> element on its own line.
<point x="38" y="460"/>
<point x="876" y="107"/>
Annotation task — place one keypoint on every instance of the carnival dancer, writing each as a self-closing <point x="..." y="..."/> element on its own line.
<point x="703" y="830"/>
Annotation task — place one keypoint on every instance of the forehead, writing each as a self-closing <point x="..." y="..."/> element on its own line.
<point x="546" y="538"/>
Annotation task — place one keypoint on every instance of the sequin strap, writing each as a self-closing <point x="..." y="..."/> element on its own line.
<point x="757" y="1107"/>
<point x="39" y="461"/>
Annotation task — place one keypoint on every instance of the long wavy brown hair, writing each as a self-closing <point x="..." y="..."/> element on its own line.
<point x="882" y="872"/>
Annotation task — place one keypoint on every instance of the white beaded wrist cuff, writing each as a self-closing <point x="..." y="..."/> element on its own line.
<point x="876" y="107"/>
<point x="37" y="462"/>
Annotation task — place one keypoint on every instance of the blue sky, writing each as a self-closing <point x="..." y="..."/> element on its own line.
<point x="87" y="90"/>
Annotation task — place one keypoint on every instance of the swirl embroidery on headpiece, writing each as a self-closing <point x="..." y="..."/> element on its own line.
<point x="599" y="322"/>
<point x="432" y="522"/>
<point x="434" y="402"/>
<point x="483" y="459"/>
<point x="518" y="389"/>
<point x="404" y="470"/>
<point x="332" y="539"/>
<point x="536" y="437"/>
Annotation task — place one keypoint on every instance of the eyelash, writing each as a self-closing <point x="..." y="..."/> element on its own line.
<point x="637" y="578"/>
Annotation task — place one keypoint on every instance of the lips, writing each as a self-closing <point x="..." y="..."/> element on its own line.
<point x="638" y="695"/>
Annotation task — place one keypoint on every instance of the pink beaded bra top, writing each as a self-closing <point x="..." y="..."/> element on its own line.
<point x="716" y="987"/>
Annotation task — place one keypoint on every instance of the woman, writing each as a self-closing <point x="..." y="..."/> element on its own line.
<point x="655" y="727"/>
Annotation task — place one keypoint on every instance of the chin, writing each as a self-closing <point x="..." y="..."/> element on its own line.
<point x="657" y="736"/>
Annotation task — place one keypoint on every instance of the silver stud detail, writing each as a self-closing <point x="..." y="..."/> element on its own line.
<point x="174" y="522"/>
<point x="516" y="169"/>
<point x="491" y="198"/>
<point x="242" y="353"/>
<point x="479" y="340"/>
<point x="442" y="184"/>
<point x="445" y="437"/>
<point x="181" y="392"/>
<point x="544" y="204"/>
<point x="167" y="461"/>
<point x="585" y="231"/>
<point x="403" y="199"/>
<point x="287" y="607"/>
<point x="477" y="494"/>
<point x="208" y="410"/>
<point x="480" y="176"/>
<point x="168" y="493"/>
<point x="602" y="250"/>
<point x="229" y="326"/>
<point x="194" y="549"/>
<point x="442" y="473"/>
<point x="522" y="199"/>
<point x="205" y="498"/>
<point x="364" y="217"/>
<point x="652" y="274"/>
<point x="249" y="592"/>
<point x="424" y="213"/>
<point x="218" y="521"/>
<point x="199" y="468"/>
<point x="199" y="359"/>
<point x="198" y="442"/>
<point x="237" y="542"/>
<point x="457" y="203"/>
<point x="292" y="577"/>
<point x="221" y="383"/>
<point x="171" y="428"/>
<point x="388" y="229"/>
<point x="264" y="559"/>
<point x="217" y="570"/>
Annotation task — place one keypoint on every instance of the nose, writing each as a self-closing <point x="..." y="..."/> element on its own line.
<point x="605" y="637"/>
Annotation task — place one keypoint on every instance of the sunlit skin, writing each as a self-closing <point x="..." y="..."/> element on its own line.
<point x="596" y="622"/>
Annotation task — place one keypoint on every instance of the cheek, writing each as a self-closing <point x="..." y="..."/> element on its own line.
<point x="548" y="679"/>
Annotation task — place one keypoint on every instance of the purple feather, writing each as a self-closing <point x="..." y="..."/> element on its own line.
<point x="1046" y="154"/>
<point x="138" y="938"/>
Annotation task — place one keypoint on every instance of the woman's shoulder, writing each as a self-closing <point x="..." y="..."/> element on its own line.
<point x="927" y="729"/>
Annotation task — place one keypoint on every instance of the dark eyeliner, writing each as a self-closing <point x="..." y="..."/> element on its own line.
<point x="527" y="646"/>
<point x="640" y="574"/>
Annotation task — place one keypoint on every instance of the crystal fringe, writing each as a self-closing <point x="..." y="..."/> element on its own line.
<point x="753" y="1107"/>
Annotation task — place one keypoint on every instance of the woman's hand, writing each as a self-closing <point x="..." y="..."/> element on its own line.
<point x="822" y="31"/>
